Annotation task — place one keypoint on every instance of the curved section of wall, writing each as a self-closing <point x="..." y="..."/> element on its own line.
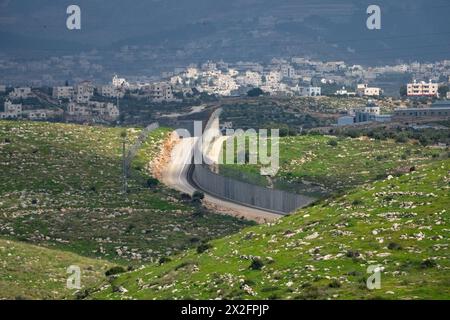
<point x="278" y="201"/>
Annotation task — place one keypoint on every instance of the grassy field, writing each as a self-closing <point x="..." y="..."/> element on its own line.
<point x="61" y="189"/>
<point x="32" y="272"/>
<point x="320" y="165"/>
<point x="321" y="252"/>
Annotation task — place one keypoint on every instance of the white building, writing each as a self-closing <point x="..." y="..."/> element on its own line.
<point x="20" y="93"/>
<point x="191" y="73"/>
<point x="309" y="91"/>
<point x="160" y="92"/>
<point x="273" y="78"/>
<point x="40" y="114"/>
<point x="372" y="109"/>
<point x="112" y="111"/>
<point x="209" y="66"/>
<point x="119" y="82"/>
<point x="422" y="89"/>
<point x="74" y="109"/>
<point x="365" y="90"/>
<point x="65" y="92"/>
<point x="84" y="92"/>
<point x="104" y="110"/>
<point x="252" y="79"/>
<point x="288" y="71"/>
<point x="372" y="92"/>
<point x="2" y="88"/>
<point x="111" y="91"/>
<point x="344" y="92"/>
<point x="12" y="111"/>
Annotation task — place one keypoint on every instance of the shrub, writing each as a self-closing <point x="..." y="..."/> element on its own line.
<point x="428" y="263"/>
<point x="185" y="197"/>
<point x="194" y="240"/>
<point x="198" y="196"/>
<point x="352" y="254"/>
<point x="394" y="246"/>
<point x="152" y="182"/>
<point x="332" y="143"/>
<point x="198" y="212"/>
<point x="401" y="139"/>
<point x="256" y="264"/>
<point x="203" y="247"/>
<point x="163" y="260"/>
<point x="334" y="284"/>
<point x="255" y="92"/>
<point x="114" y="270"/>
<point x="82" y="294"/>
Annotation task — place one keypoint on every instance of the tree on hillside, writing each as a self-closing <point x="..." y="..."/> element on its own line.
<point x="443" y="91"/>
<point x="255" y="92"/>
<point x="403" y="91"/>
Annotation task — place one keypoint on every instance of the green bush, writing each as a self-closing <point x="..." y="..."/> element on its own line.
<point x="256" y="264"/>
<point x="198" y="196"/>
<point x="203" y="247"/>
<point x="152" y="182"/>
<point x="163" y="260"/>
<point x="115" y="270"/>
<point x="333" y="143"/>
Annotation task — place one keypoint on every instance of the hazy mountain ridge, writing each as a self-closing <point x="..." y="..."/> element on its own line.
<point x="232" y="30"/>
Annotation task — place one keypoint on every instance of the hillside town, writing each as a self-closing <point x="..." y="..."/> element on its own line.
<point x="297" y="77"/>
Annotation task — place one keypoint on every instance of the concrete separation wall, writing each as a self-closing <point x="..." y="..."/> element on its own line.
<point x="277" y="201"/>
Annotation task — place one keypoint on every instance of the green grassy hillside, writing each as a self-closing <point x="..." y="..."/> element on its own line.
<point x="321" y="252"/>
<point x="32" y="272"/>
<point x="320" y="165"/>
<point x="61" y="188"/>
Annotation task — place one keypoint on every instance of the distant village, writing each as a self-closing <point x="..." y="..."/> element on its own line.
<point x="301" y="77"/>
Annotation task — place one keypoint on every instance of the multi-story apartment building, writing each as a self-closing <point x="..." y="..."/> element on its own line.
<point x="250" y="78"/>
<point x="288" y="71"/>
<point x="309" y="91"/>
<point x="372" y="92"/>
<point x="107" y="111"/>
<point x="365" y="90"/>
<point x="111" y="91"/>
<point x="422" y="89"/>
<point x="74" y="109"/>
<point x="160" y="92"/>
<point x="20" y="93"/>
<point x="12" y="111"/>
<point x="84" y="92"/>
<point x="65" y="92"/>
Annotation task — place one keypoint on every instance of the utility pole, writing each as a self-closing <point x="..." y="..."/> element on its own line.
<point x="123" y="134"/>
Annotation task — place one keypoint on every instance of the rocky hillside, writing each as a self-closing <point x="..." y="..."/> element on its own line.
<point x="32" y="272"/>
<point x="400" y="224"/>
<point x="61" y="188"/>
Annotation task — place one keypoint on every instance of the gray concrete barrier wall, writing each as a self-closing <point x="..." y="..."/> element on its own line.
<point x="274" y="200"/>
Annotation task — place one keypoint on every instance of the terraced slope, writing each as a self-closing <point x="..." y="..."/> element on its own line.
<point x="321" y="252"/>
<point x="32" y="272"/>
<point x="61" y="188"/>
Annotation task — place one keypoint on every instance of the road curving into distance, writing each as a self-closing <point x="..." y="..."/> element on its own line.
<point x="178" y="173"/>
